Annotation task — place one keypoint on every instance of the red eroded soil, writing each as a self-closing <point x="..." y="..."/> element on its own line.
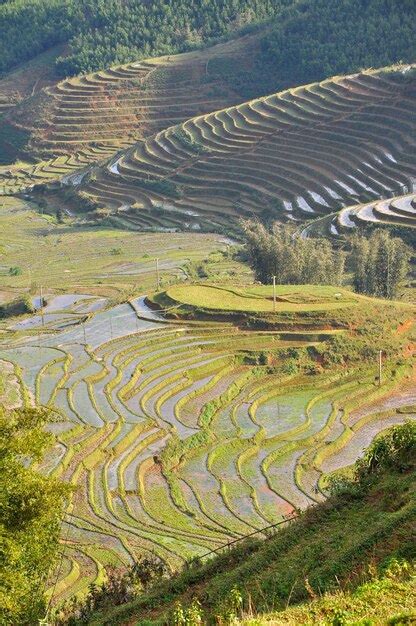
<point x="405" y="326"/>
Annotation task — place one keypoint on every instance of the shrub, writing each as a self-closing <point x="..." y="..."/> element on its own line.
<point x="19" y="306"/>
<point x="394" y="450"/>
<point x="164" y="187"/>
<point x="15" y="271"/>
<point x="119" y="588"/>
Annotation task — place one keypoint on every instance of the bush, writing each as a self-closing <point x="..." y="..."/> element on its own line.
<point x="15" y="271"/>
<point x="162" y="186"/>
<point x="20" y="306"/>
<point x="119" y="588"/>
<point x="394" y="450"/>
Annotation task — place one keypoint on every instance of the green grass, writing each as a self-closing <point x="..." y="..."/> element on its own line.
<point x="290" y="298"/>
<point x="384" y="600"/>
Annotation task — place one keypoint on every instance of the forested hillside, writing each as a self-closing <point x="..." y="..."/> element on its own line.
<point x="104" y="33"/>
<point x="316" y="39"/>
<point x="308" y="41"/>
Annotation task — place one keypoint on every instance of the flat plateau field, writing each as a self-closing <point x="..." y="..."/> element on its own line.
<point x="289" y="298"/>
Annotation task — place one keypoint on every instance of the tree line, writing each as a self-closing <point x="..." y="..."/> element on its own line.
<point x="306" y="40"/>
<point x="316" y="39"/>
<point x="106" y="32"/>
<point x="378" y="264"/>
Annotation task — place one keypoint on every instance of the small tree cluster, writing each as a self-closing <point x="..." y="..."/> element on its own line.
<point x="119" y="587"/>
<point x="278" y="252"/>
<point x="379" y="263"/>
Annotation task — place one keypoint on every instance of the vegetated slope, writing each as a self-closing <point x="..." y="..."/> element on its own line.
<point x="315" y="39"/>
<point x="102" y="112"/>
<point x="309" y="40"/>
<point x="294" y="155"/>
<point x="336" y="546"/>
<point x="182" y="436"/>
<point x="28" y="79"/>
<point x="102" y="34"/>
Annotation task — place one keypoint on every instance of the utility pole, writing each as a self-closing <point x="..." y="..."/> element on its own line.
<point x="41" y="306"/>
<point x="85" y="334"/>
<point x="157" y="275"/>
<point x="380" y="354"/>
<point x="274" y="294"/>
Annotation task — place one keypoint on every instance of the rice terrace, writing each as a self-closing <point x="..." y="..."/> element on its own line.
<point x="207" y="313"/>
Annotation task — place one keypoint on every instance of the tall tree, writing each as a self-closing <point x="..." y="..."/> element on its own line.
<point x="379" y="263"/>
<point x="31" y="508"/>
<point x="278" y="252"/>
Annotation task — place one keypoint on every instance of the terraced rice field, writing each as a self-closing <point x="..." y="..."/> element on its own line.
<point x="86" y="119"/>
<point x="396" y="211"/>
<point x="176" y="443"/>
<point x="298" y="154"/>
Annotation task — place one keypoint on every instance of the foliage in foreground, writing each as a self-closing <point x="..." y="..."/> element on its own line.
<point x="356" y="546"/>
<point x="391" y="596"/>
<point x="30" y="517"/>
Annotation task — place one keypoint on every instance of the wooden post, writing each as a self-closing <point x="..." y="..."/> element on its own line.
<point x="41" y="306"/>
<point x="157" y="276"/>
<point x="380" y="354"/>
<point x="274" y="294"/>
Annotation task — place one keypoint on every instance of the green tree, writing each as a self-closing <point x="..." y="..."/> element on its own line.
<point x="379" y="264"/>
<point x="278" y="252"/>
<point x="31" y="507"/>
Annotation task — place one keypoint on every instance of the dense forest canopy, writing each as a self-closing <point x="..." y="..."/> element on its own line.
<point x="317" y="39"/>
<point x="308" y="40"/>
<point x="105" y="32"/>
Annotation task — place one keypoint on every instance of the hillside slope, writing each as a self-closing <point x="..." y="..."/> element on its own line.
<point x="121" y="104"/>
<point x="337" y="545"/>
<point x="294" y="155"/>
